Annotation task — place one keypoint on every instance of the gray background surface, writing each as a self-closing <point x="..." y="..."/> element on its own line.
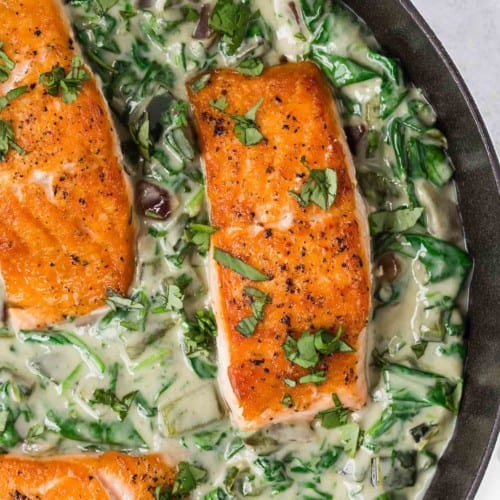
<point x="470" y="32"/>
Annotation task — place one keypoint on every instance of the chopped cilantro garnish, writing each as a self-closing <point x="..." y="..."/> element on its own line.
<point x="245" y="128"/>
<point x="259" y="299"/>
<point x="70" y="85"/>
<point x="320" y="188"/>
<point x="6" y="65"/>
<point x="238" y="266"/>
<point x="230" y="20"/>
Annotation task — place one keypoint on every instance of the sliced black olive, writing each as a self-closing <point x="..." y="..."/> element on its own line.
<point x="390" y="267"/>
<point x="152" y="201"/>
<point x="145" y="4"/>
<point x="202" y="30"/>
<point x="354" y="134"/>
<point x="295" y="13"/>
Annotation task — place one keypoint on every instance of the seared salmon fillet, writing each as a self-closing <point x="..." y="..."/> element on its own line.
<point x="66" y="233"/>
<point x="316" y="258"/>
<point x="92" y="477"/>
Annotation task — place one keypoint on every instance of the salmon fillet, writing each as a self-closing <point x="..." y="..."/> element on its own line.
<point x="66" y="233"/>
<point x="92" y="477"/>
<point x="317" y="260"/>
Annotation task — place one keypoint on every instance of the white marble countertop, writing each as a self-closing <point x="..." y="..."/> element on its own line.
<point x="470" y="32"/>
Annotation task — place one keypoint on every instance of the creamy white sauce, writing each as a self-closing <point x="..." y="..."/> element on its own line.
<point x="151" y="367"/>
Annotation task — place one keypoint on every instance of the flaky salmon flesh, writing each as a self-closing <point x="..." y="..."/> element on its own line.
<point x="110" y="476"/>
<point x="315" y="259"/>
<point x="66" y="233"/>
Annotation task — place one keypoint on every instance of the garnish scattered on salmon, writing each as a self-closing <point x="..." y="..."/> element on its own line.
<point x="285" y="205"/>
<point x="66" y="234"/>
<point x="92" y="477"/>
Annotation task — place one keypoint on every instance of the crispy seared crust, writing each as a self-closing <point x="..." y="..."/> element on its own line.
<point x="91" y="477"/>
<point x="66" y="232"/>
<point x="318" y="261"/>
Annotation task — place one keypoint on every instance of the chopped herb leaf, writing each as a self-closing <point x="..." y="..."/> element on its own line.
<point x="320" y="188"/>
<point x="275" y="473"/>
<point x="130" y="312"/>
<point x="287" y="401"/>
<point x="199" y="235"/>
<point x="11" y="95"/>
<point x="313" y="378"/>
<point x="220" y="104"/>
<point x="301" y="351"/>
<point x="238" y="266"/>
<point x="188" y="476"/>
<point x="334" y="417"/>
<point x="70" y="85"/>
<point x="199" y="343"/>
<point x="170" y="301"/>
<point x="259" y="299"/>
<point x="245" y="128"/>
<point x="200" y="83"/>
<point x="6" y="66"/>
<point x="306" y="350"/>
<point x="290" y="382"/>
<point x="247" y="326"/>
<point x="253" y="66"/>
<point x="230" y="19"/>
<point x="108" y="398"/>
<point x="7" y="140"/>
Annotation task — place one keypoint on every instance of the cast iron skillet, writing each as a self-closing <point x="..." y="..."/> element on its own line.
<point x="404" y="34"/>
